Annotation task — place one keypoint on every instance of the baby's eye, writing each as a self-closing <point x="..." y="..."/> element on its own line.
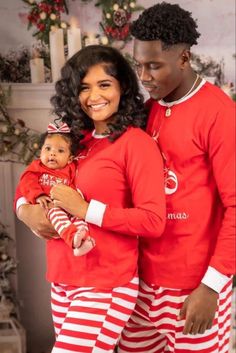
<point x="47" y="148"/>
<point x="61" y="151"/>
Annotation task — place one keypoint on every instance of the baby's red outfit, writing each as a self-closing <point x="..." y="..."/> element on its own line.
<point x="37" y="180"/>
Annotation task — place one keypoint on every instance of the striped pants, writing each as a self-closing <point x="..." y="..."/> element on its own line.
<point x="90" y="321"/>
<point x="65" y="225"/>
<point x="154" y="328"/>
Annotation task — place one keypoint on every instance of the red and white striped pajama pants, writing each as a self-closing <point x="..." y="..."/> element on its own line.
<point x="154" y="327"/>
<point x="88" y="320"/>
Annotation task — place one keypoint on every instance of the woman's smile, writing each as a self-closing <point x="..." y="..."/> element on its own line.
<point x="100" y="96"/>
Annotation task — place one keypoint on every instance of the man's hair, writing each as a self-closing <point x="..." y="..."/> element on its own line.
<point x="166" y="22"/>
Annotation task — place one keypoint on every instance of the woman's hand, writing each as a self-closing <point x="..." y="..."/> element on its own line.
<point x="34" y="216"/>
<point x="69" y="199"/>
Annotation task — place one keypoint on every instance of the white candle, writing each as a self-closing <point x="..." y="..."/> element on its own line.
<point x="37" y="70"/>
<point x="73" y="40"/>
<point x="57" y="56"/>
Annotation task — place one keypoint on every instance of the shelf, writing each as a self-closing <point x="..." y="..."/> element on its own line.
<point x="30" y="96"/>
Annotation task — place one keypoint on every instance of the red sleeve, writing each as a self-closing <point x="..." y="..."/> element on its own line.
<point x="29" y="185"/>
<point x="17" y="196"/>
<point x="144" y="173"/>
<point x="221" y="142"/>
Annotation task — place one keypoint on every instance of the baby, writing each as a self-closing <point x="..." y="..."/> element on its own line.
<point x="57" y="165"/>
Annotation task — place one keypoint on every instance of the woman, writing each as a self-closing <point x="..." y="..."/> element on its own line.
<point x="120" y="165"/>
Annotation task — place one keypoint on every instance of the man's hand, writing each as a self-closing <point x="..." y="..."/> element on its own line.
<point x="199" y="310"/>
<point x="34" y="217"/>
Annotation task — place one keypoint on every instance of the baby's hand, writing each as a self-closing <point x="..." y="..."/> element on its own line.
<point x="43" y="200"/>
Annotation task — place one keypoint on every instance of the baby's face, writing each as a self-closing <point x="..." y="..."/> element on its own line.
<point x="55" y="152"/>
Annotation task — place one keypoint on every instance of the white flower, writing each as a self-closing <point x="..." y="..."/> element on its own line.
<point x="53" y="16"/>
<point x="4" y="129"/>
<point x="5" y="149"/>
<point x="31" y="1"/>
<point x="4" y="257"/>
<point x="104" y="40"/>
<point x="63" y="25"/>
<point x="108" y="15"/>
<point x="132" y="4"/>
<point x="125" y="7"/>
<point x="17" y="132"/>
<point x="43" y="15"/>
<point x="115" y="7"/>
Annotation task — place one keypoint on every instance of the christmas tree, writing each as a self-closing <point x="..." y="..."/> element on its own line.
<point x="8" y="304"/>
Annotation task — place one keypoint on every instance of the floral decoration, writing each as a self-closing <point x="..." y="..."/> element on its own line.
<point x="45" y="15"/>
<point x="116" y="18"/>
<point x="18" y="143"/>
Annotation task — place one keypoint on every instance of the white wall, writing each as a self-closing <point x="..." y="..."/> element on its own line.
<point x="31" y="104"/>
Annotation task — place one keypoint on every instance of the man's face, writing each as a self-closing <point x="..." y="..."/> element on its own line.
<point x="160" y="71"/>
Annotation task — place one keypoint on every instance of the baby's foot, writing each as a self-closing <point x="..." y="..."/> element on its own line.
<point x="82" y="242"/>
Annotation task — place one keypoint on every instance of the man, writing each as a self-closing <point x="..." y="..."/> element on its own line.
<point x="185" y="291"/>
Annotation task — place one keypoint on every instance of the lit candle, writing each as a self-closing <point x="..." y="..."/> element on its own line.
<point x="37" y="68"/>
<point x="57" y="56"/>
<point x="73" y="38"/>
<point x="91" y="40"/>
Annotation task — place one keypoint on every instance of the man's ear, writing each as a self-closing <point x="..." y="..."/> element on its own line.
<point x="185" y="57"/>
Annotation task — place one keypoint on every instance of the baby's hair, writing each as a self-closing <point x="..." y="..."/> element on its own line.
<point x="168" y="23"/>
<point x="70" y="138"/>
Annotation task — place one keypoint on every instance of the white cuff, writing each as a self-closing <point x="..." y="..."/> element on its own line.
<point x="214" y="279"/>
<point x="21" y="201"/>
<point x="95" y="212"/>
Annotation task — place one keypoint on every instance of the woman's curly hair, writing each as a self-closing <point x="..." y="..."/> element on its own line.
<point x="131" y="110"/>
<point x="168" y="23"/>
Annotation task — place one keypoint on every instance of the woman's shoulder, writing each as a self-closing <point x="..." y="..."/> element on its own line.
<point x="138" y="140"/>
<point x="137" y="133"/>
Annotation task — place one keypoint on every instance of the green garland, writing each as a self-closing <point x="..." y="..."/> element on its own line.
<point x="18" y="143"/>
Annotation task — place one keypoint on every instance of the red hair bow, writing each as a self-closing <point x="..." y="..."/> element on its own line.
<point x="55" y="129"/>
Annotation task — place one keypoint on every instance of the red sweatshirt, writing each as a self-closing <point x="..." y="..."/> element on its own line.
<point x="198" y="145"/>
<point x="38" y="179"/>
<point x="126" y="174"/>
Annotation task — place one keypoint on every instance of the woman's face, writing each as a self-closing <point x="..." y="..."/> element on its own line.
<point x="99" y="96"/>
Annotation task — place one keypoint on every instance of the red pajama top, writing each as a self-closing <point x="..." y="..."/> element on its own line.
<point x="38" y="179"/>
<point x="127" y="175"/>
<point x="198" y="146"/>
